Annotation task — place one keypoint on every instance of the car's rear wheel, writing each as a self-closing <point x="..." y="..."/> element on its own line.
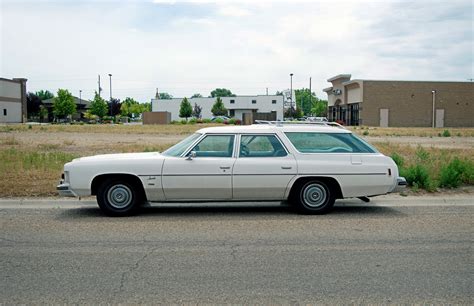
<point x="118" y="197"/>
<point x="315" y="197"/>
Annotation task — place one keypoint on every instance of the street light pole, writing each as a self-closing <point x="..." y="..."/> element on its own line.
<point x="80" y="98"/>
<point x="291" y="94"/>
<point x="433" y="94"/>
<point x="110" y="78"/>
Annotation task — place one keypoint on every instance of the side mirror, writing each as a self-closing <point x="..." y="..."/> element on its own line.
<point x="191" y="155"/>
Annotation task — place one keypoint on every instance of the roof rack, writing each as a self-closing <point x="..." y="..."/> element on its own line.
<point x="281" y="123"/>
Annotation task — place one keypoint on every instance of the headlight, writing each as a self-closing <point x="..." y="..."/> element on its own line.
<point x="66" y="176"/>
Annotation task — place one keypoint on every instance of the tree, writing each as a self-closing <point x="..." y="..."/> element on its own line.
<point x="33" y="104"/>
<point x="293" y="113"/>
<point x="196" y="95"/>
<point x="98" y="106"/>
<point x="44" y="95"/>
<point x="185" y="110"/>
<point x="165" y="96"/>
<point x="197" y="110"/>
<point x="279" y="93"/>
<point x="63" y="104"/>
<point x="308" y="102"/>
<point x="218" y="109"/>
<point x="43" y="112"/>
<point x="319" y="108"/>
<point x="114" y="107"/>
<point x="146" y="107"/>
<point x="221" y="92"/>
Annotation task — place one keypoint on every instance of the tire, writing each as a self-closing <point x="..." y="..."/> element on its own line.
<point x="119" y="198"/>
<point x="314" y="198"/>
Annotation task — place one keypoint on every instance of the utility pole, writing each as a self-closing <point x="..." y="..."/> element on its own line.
<point x="433" y="93"/>
<point x="267" y="91"/>
<point x="310" y="95"/>
<point x="100" y="89"/>
<point x="110" y="78"/>
<point x="80" y="98"/>
<point x="291" y="94"/>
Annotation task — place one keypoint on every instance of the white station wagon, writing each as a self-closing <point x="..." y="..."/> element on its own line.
<point x="309" y="165"/>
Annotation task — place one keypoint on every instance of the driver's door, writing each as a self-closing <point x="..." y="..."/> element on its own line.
<point x="207" y="176"/>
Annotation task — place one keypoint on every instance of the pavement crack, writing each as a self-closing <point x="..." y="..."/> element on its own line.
<point x="233" y="251"/>
<point x="134" y="267"/>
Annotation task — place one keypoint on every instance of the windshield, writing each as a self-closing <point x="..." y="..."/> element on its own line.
<point x="181" y="146"/>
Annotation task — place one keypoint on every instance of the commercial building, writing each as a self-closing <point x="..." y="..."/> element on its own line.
<point x="400" y="103"/>
<point x="12" y="100"/>
<point x="268" y="106"/>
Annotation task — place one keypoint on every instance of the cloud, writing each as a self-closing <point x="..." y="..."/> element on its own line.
<point x="195" y="46"/>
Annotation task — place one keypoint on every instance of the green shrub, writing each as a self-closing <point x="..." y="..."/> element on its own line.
<point x="207" y="120"/>
<point x="219" y="120"/>
<point x="398" y="159"/>
<point x="366" y="133"/>
<point x="231" y="121"/>
<point x="446" y="133"/>
<point x="418" y="177"/>
<point x="184" y="121"/>
<point x="192" y="121"/>
<point x="456" y="173"/>
<point x="421" y="154"/>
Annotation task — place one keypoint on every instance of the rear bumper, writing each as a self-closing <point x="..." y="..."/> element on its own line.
<point x="64" y="190"/>
<point x="401" y="184"/>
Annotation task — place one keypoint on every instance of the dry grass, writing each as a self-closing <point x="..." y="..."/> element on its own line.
<point x="419" y="132"/>
<point x="169" y="129"/>
<point x="32" y="158"/>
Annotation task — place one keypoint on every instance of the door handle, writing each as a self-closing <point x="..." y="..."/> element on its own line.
<point x="224" y="167"/>
<point x="286" y="167"/>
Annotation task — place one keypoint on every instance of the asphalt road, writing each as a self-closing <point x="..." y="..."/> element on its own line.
<point x="385" y="253"/>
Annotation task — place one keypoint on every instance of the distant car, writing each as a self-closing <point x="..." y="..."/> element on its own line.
<point x="317" y="119"/>
<point x="224" y="118"/>
<point x="309" y="165"/>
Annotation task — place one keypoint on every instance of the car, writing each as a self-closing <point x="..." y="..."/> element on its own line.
<point x="223" y="118"/>
<point x="310" y="166"/>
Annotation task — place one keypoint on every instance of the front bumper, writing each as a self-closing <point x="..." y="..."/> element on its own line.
<point x="401" y="184"/>
<point x="64" y="190"/>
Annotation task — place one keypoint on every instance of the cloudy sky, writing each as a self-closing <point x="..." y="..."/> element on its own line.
<point x="186" y="47"/>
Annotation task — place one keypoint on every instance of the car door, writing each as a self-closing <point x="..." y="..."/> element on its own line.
<point x="263" y="168"/>
<point x="207" y="176"/>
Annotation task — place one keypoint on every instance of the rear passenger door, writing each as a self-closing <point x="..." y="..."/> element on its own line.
<point x="263" y="168"/>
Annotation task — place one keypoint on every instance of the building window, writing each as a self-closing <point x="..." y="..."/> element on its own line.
<point x="4" y="111"/>
<point x="232" y="101"/>
<point x="274" y="101"/>
<point x="254" y="101"/>
<point x="354" y="113"/>
<point x="232" y="112"/>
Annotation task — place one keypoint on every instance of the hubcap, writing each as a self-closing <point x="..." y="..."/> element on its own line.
<point x="119" y="196"/>
<point x="314" y="195"/>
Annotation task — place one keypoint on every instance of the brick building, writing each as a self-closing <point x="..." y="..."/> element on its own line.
<point x="400" y="103"/>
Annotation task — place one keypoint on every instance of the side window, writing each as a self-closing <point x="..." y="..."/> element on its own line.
<point x="215" y="146"/>
<point x="260" y="146"/>
<point x="328" y="143"/>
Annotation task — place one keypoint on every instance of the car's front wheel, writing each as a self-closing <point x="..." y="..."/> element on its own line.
<point x="315" y="197"/>
<point x="118" y="197"/>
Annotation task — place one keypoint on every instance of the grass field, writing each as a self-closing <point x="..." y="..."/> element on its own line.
<point x="32" y="157"/>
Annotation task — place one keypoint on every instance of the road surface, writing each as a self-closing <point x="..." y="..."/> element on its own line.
<point x="394" y="250"/>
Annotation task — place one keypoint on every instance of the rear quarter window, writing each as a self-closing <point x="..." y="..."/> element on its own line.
<point x="313" y="142"/>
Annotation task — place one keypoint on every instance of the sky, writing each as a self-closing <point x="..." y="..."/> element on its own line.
<point x="194" y="46"/>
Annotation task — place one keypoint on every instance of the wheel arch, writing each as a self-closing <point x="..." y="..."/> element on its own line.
<point x="332" y="183"/>
<point x="127" y="177"/>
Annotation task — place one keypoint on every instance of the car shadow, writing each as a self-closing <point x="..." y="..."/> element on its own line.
<point x="232" y="211"/>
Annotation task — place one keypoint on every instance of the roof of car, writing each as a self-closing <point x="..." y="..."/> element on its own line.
<point x="271" y="128"/>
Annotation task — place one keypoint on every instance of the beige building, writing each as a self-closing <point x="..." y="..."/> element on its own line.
<point x="12" y="100"/>
<point x="400" y="103"/>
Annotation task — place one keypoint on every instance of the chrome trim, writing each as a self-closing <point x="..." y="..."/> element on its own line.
<point x="401" y="184"/>
<point x="64" y="190"/>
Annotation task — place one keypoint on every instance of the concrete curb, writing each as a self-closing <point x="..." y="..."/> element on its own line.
<point x="381" y="201"/>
